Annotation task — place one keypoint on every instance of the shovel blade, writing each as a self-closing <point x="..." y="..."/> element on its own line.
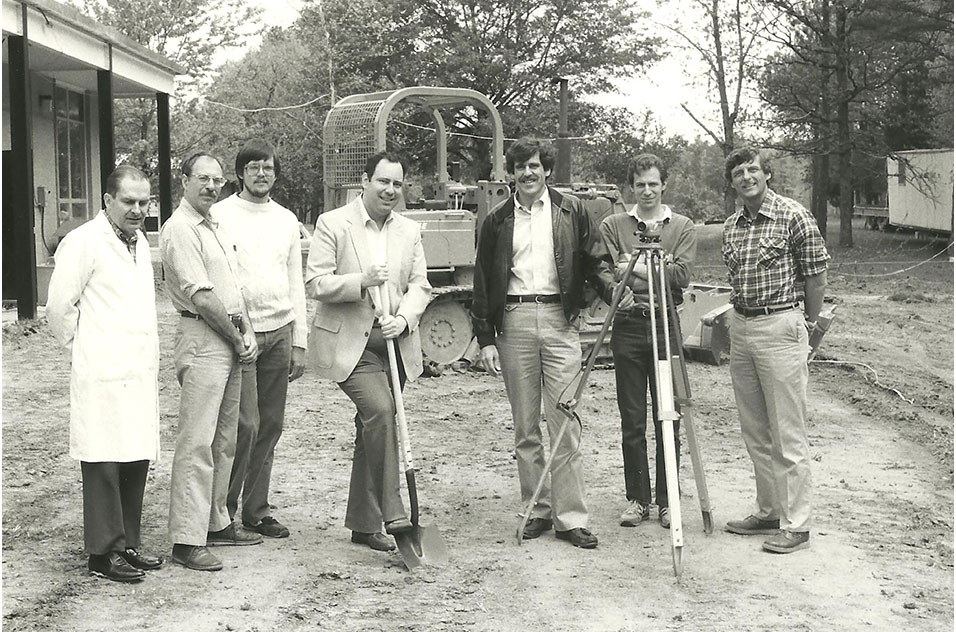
<point x="422" y="546"/>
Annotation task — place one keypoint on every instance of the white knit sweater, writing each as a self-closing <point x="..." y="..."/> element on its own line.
<point x="270" y="263"/>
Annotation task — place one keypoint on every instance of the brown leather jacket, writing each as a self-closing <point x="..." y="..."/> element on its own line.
<point x="579" y="253"/>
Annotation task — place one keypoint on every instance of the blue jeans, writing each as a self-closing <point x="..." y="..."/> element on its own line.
<point x="634" y="363"/>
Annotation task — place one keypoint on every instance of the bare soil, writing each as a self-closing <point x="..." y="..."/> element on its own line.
<point x="881" y="555"/>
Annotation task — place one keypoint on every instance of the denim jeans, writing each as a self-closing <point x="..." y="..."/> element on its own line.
<point x="634" y="362"/>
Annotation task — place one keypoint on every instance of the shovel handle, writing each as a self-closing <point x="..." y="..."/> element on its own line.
<point x="401" y="425"/>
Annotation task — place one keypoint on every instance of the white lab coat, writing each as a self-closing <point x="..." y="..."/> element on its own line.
<point x="102" y="308"/>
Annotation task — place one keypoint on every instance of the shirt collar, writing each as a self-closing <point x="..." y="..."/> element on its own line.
<point x="195" y="215"/>
<point x="129" y="240"/>
<point x="545" y="200"/>
<point x="366" y="218"/>
<point x="666" y="213"/>
<point x="766" y="207"/>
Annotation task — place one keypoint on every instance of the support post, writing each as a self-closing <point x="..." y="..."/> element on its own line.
<point x="104" y="99"/>
<point x="19" y="241"/>
<point x="165" y="158"/>
<point x="562" y="167"/>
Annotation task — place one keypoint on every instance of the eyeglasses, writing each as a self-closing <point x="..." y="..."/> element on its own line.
<point x="218" y="181"/>
<point x="252" y="168"/>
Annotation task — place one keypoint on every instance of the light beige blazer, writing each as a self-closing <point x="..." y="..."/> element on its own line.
<point x="343" y="318"/>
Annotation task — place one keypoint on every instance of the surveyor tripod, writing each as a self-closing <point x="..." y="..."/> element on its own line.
<point x="670" y="371"/>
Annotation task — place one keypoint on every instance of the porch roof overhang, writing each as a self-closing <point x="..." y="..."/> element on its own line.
<point x="67" y="45"/>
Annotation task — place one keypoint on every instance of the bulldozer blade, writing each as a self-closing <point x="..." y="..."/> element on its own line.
<point x="422" y="546"/>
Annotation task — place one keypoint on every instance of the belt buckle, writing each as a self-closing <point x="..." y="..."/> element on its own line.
<point x="538" y="299"/>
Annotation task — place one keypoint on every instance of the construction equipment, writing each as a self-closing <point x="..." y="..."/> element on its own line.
<point x="421" y="545"/>
<point x="356" y="127"/>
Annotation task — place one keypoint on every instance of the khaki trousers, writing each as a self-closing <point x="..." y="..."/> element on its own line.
<point x="768" y="367"/>
<point x="540" y="355"/>
<point x="208" y="371"/>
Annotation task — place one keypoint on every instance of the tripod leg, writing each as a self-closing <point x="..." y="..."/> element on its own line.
<point x="687" y="417"/>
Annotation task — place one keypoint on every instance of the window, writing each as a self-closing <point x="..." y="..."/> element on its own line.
<point x="71" y="154"/>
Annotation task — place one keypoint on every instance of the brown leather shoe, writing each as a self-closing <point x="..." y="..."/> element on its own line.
<point x="581" y="538"/>
<point x="114" y="567"/>
<point x="142" y="561"/>
<point x="535" y="527"/>
<point x="375" y="541"/>
<point x="198" y="558"/>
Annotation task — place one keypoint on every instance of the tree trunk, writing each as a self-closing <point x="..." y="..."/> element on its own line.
<point x="821" y="159"/>
<point x="843" y="129"/>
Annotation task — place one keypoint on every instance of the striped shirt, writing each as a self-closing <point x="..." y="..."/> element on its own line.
<point x="768" y="256"/>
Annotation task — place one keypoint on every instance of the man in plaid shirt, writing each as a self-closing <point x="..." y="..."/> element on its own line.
<point x="770" y="246"/>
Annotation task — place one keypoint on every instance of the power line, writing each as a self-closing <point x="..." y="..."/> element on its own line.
<point x="268" y="109"/>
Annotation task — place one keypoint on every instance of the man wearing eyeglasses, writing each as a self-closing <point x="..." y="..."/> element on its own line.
<point x="270" y="270"/>
<point x="214" y="336"/>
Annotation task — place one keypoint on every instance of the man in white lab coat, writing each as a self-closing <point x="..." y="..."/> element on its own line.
<point x="102" y="309"/>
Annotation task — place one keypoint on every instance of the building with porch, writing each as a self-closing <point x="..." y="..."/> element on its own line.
<point x="61" y="73"/>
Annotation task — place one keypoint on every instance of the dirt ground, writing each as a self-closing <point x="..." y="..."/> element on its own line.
<point x="881" y="555"/>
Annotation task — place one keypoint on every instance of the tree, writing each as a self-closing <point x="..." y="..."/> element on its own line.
<point x="191" y="33"/>
<point x="505" y="49"/>
<point x="724" y="35"/>
<point x="833" y="85"/>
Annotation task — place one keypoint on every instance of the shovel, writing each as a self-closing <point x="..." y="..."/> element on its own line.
<point x="420" y="546"/>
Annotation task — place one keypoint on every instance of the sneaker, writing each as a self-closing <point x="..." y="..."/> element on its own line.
<point x="787" y="541"/>
<point x="664" y="515"/>
<point x="635" y="514"/>
<point x="752" y="525"/>
<point x="269" y="527"/>
<point x="232" y="536"/>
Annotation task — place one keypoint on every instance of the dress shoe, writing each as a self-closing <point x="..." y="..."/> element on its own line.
<point x="198" y="558"/>
<point x="535" y="527"/>
<point x="375" y="541"/>
<point x="787" y="541"/>
<point x="142" y="561"/>
<point x="269" y="527"/>
<point x="752" y="525"/>
<point x="581" y="538"/>
<point x="232" y="536"/>
<point x="113" y="566"/>
<point x="398" y="526"/>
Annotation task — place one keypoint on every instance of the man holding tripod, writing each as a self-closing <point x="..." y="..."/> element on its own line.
<point x="632" y="335"/>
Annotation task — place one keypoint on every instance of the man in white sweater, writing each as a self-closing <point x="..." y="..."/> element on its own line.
<point x="270" y="269"/>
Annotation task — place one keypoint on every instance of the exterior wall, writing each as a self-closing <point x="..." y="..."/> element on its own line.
<point x="920" y="189"/>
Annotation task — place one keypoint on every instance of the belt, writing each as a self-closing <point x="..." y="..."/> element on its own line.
<point x="534" y="298"/>
<point x="185" y="314"/>
<point x="764" y="311"/>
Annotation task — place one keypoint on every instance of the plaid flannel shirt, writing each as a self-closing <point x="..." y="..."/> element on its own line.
<point x="128" y="240"/>
<point x="769" y="255"/>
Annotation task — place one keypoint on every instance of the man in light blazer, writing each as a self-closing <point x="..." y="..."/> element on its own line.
<point x="102" y="309"/>
<point x="359" y="251"/>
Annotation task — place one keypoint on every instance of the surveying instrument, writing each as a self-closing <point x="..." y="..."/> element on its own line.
<point x="670" y="371"/>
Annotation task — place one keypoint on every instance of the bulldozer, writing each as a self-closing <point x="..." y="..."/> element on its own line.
<point x="356" y="128"/>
